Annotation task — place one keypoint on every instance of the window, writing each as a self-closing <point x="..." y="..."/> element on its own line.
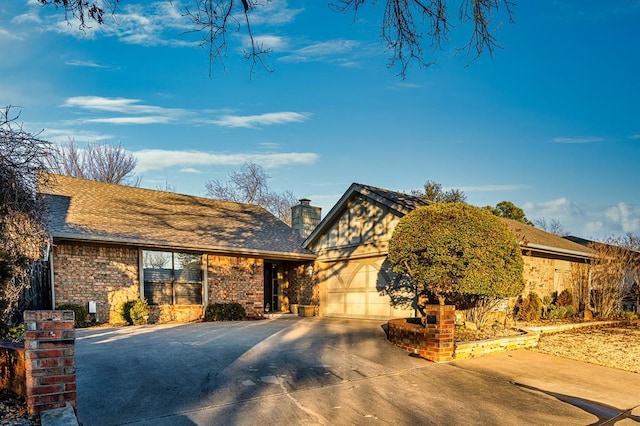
<point x="172" y="278"/>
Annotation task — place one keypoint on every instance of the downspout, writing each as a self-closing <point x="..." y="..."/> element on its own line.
<point x="51" y="280"/>
<point x="205" y="284"/>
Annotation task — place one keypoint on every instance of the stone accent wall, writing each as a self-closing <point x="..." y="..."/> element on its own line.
<point x="545" y="276"/>
<point x="236" y="279"/>
<point x="107" y="275"/>
<point x="49" y="360"/>
<point x="500" y="344"/>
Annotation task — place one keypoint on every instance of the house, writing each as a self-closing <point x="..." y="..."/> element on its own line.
<point x="114" y="243"/>
<point x="353" y="275"/>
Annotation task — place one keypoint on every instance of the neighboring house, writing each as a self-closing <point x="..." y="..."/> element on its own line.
<point x="114" y="243"/>
<point x="354" y="278"/>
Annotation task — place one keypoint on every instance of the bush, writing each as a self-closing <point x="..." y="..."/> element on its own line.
<point x="14" y="334"/>
<point x="80" y="311"/>
<point x="530" y="308"/>
<point x="562" y="312"/>
<point x="135" y="312"/>
<point x="565" y="298"/>
<point x="626" y="315"/>
<point x="225" y="312"/>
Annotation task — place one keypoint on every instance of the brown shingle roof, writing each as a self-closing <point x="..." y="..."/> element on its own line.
<point x="80" y="209"/>
<point x="537" y="239"/>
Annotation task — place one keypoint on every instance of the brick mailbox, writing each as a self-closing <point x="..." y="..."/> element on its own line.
<point x="49" y="360"/>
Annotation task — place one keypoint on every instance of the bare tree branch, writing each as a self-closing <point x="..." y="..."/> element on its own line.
<point x="101" y="162"/>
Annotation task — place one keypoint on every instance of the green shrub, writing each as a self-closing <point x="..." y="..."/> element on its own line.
<point x="80" y="311"/>
<point x="225" y="312"/>
<point x="626" y="315"/>
<point x="14" y="334"/>
<point x="562" y="312"/>
<point x="530" y="307"/>
<point x="565" y="298"/>
<point x="135" y="312"/>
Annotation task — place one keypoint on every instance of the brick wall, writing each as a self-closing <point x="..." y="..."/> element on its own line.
<point x="107" y="275"/>
<point x="12" y="368"/>
<point x="235" y="279"/>
<point x="49" y="360"/>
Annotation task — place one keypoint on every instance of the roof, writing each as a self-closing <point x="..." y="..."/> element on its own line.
<point x="528" y="236"/>
<point x="85" y="210"/>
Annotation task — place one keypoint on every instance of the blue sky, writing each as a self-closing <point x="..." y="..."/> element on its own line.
<point x="551" y="123"/>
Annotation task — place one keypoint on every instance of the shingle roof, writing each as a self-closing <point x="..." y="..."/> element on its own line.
<point x="528" y="236"/>
<point x="80" y="209"/>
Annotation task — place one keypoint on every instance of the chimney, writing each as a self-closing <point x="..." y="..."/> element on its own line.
<point x="305" y="217"/>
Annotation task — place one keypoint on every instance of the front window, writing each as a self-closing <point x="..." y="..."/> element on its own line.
<point x="172" y="278"/>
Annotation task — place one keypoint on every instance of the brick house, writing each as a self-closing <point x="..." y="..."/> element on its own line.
<point x="354" y="278"/>
<point x="114" y="243"/>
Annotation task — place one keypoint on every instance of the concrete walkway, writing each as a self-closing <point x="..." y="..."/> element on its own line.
<point x="317" y="371"/>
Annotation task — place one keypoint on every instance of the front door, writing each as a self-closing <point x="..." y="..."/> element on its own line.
<point x="271" y="287"/>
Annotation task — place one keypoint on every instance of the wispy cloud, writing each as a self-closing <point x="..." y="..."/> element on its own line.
<point x="559" y="207"/>
<point x="267" y="119"/>
<point x="190" y="170"/>
<point x="636" y="136"/>
<point x="156" y="159"/>
<point x="82" y="136"/>
<point x="134" y="110"/>
<point x="88" y="64"/>
<point x="493" y="188"/>
<point x="585" y="139"/>
<point x="274" y="12"/>
<point x="7" y="34"/>
<point x="131" y="120"/>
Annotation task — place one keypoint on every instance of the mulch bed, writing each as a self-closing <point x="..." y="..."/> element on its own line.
<point x="13" y="410"/>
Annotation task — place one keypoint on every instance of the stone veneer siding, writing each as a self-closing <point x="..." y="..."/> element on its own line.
<point x="545" y="276"/>
<point x="236" y="279"/>
<point x="107" y="275"/>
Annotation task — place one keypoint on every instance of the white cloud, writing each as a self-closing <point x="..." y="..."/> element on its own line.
<point x="138" y="112"/>
<point x="587" y="139"/>
<point x="273" y="42"/>
<point x="267" y="119"/>
<point x="88" y="64"/>
<point x="156" y="159"/>
<point x="560" y="207"/>
<point x="636" y="136"/>
<point x="82" y="136"/>
<point x="6" y="34"/>
<point x="327" y="51"/>
<point x="624" y="216"/>
<point x="190" y="170"/>
<point x="131" y="120"/>
<point x="275" y="12"/>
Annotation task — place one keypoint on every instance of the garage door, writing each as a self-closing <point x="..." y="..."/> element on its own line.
<point x="357" y="290"/>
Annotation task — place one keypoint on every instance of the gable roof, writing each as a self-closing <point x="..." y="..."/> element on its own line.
<point x="529" y="237"/>
<point x="85" y="210"/>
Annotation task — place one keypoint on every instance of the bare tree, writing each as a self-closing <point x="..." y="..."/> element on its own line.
<point x="23" y="230"/>
<point x="249" y="185"/>
<point x="409" y="27"/>
<point x="553" y="227"/>
<point x="615" y="267"/>
<point x="101" y="162"/>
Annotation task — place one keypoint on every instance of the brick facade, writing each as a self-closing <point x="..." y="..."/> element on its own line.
<point x="107" y="275"/>
<point x="236" y="279"/>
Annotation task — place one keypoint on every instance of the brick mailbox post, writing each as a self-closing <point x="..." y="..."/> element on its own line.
<point x="49" y="360"/>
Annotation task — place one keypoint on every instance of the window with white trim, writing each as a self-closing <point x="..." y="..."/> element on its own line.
<point x="172" y="278"/>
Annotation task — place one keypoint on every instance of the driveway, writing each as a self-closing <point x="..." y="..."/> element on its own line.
<point x="318" y="371"/>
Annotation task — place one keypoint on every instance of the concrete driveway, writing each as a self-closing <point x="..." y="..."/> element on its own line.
<point x="316" y="371"/>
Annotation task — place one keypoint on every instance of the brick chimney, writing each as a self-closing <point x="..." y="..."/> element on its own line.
<point x="305" y="217"/>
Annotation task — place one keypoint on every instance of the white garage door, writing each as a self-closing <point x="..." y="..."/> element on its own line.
<point x="356" y="290"/>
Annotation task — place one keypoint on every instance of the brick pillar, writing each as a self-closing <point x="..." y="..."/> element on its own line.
<point x="440" y="325"/>
<point x="50" y="360"/>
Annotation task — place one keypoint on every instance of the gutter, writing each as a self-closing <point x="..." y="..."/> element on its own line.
<point x="275" y="255"/>
<point x="549" y="249"/>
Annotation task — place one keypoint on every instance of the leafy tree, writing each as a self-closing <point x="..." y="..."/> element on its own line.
<point x="408" y="27"/>
<point x="433" y="192"/>
<point x="98" y="161"/>
<point x="249" y="185"/>
<point x="23" y="231"/>
<point x="510" y="211"/>
<point x="456" y="250"/>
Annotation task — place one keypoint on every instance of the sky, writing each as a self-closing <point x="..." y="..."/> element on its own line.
<point x="550" y="122"/>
